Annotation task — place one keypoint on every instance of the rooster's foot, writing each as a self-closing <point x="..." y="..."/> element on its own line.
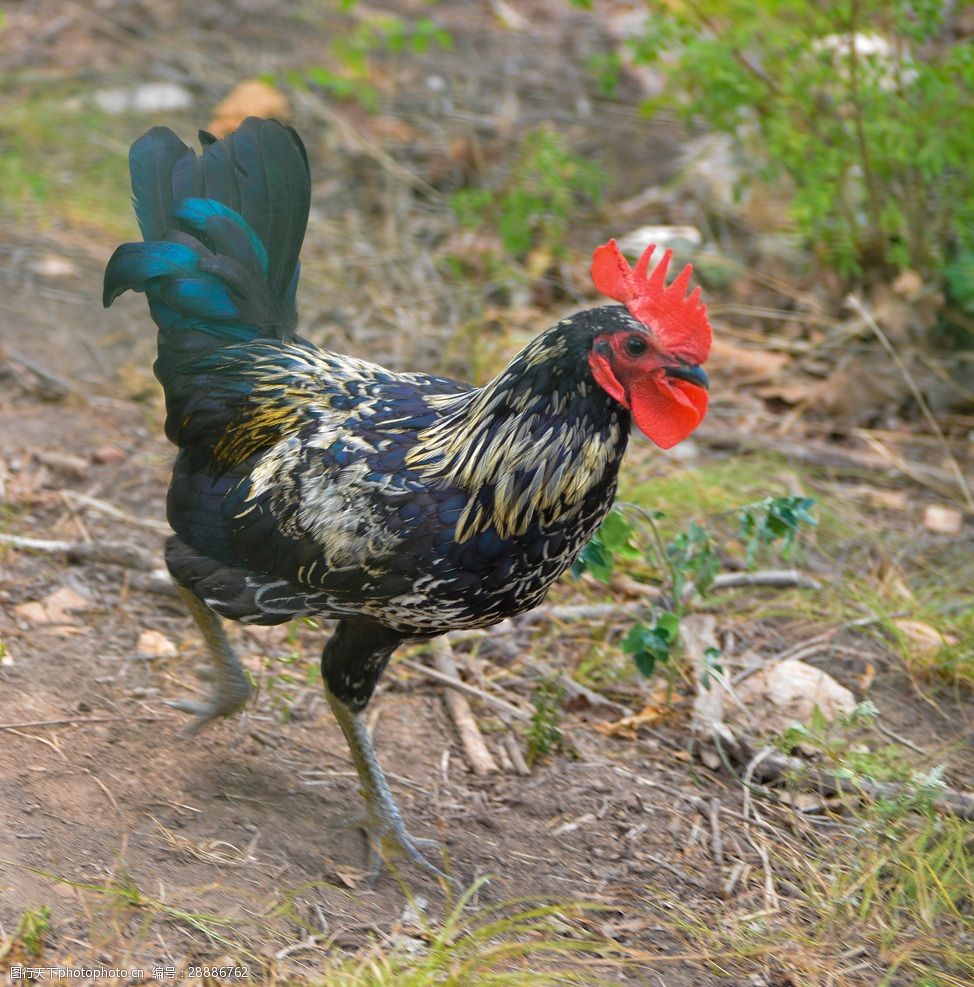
<point x="219" y="705"/>
<point x="231" y="687"/>
<point x="389" y="839"/>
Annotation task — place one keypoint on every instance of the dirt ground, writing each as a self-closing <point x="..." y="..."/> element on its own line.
<point x="153" y="849"/>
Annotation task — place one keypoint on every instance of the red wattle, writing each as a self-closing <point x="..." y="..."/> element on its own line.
<point x="667" y="409"/>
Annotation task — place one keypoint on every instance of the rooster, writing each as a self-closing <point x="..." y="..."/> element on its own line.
<point x="401" y="505"/>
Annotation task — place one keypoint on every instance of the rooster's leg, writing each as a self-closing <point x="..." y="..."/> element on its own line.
<point x="231" y="688"/>
<point x="352" y="662"/>
<point x="383" y="822"/>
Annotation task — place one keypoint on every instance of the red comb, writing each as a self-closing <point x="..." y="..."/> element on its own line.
<point x="679" y="320"/>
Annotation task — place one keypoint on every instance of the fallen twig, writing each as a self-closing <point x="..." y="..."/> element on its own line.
<point x="698" y="635"/>
<point x="71" y="721"/>
<point x="782" y="578"/>
<point x="158" y="581"/>
<point x="575" y="690"/>
<point x="103" y="507"/>
<point x="114" y="553"/>
<point x="514" y="750"/>
<point x="583" y="611"/>
<point x="455" y="682"/>
<point x="480" y="758"/>
<point x="775" y="766"/>
<point x="830" y="456"/>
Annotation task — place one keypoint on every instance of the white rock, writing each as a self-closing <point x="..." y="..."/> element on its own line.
<point x="53" y="266"/>
<point x="636" y="241"/>
<point x="151" y="97"/>
<point x="943" y="520"/>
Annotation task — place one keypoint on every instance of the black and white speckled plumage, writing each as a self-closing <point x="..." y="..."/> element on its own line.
<point x="320" y="484"/>
<point x="315" y="483"/>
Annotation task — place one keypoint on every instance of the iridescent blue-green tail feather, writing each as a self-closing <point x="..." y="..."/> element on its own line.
<point x="222" y="234"/>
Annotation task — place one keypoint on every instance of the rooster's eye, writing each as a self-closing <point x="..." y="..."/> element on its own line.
<point x="636" y="346"/>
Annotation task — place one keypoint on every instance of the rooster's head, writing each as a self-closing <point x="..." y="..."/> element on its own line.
<point x="651" y="365"/>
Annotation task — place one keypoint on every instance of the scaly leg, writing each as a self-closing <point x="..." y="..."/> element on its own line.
<point x="383" y="823"/>
<point x="231" y="687"/>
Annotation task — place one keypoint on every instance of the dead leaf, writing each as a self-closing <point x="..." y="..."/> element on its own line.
<point x="252" y="98"/>
<point x="942" y="520"/>
<point x="351" y="877"/>
<point x="152" y="644"/>
<point x="867" y="678"/>
<point x="628" y="727"/>
<point x="925" y="641"/>
<point x="748" y="365"/>
<point x="787" y="692"/>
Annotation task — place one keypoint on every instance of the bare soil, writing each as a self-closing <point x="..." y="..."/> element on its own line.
<point x="157" y="849"/>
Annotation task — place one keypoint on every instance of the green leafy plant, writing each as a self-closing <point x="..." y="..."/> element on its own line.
<point x="866" y="107"/>
<point x="689" y="561"/>
<point x="290" y="672"/>
<point x="34" y="925"/>
<point x="774" y="519"/>
<point x="349" y="69"/>
<point x="533" y="208"/>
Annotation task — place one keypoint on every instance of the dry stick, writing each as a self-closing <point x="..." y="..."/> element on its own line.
<point x="103" y="507"/>
<point x="775" y="766"/>
<point x="514" y="750"/>
<point x="856" y="305"/>
<point x="829" y="457"/>
<point x="158" y="581"/>
<point x="114" y="553"/>
<point x="783" y="578"/>
<point x="716" y="839"/>
<point x="454" y="682"/>
<point x="79" y="720"/>
<point x="481" y="760"/>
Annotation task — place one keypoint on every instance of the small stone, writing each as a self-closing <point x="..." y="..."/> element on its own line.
<point x="943" y="520"/>
<point x="53" y="266"/>
<point x="55" y="608"/>
<point x="152" y="97"/>
<point x="925" y="641"/>
<point x="152" y="644"/>
<point x="109" y="455"/>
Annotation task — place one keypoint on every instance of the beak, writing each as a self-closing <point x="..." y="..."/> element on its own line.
<point x="695" y="375"/>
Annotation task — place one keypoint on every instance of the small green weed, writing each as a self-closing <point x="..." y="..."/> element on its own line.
<point x="350" y="68"/>
<point x="34" y="925"/>
<point x="688" y="563"/>
<point x="533" y="208"/>
<point x="288" y="673"/>
<point x="545" y="734"/>
<point x="843" y="744"/>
